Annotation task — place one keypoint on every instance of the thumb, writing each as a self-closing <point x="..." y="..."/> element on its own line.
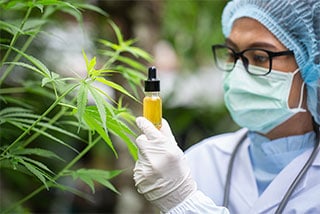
<point x="148" y="128"/>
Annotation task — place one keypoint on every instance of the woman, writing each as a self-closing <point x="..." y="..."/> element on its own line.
<point x="272" y="61"/>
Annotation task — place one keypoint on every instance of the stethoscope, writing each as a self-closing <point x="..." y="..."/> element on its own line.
<point x="292" y="187"/>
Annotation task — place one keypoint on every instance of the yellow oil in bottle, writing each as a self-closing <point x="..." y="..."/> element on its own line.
<point x="152" y="109"/>
<point x="152" y="103"/>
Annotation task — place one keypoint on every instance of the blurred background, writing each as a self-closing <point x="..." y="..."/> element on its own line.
<point x="178" y="34"/>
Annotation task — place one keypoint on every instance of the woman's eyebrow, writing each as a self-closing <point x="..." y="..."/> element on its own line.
<point x="229" y="42"/>
<point x="264" y="45"/>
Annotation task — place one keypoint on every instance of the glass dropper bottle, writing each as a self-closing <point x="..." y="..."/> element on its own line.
<point x="152" y="103"/>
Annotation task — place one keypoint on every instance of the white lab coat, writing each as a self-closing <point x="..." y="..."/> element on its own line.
<point x="209" y="164"/>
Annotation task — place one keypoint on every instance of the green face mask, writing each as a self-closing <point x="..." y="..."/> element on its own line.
<point x="259" y="103"/>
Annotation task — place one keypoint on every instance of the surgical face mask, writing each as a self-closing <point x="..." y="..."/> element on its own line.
<point x="259" y="103"/>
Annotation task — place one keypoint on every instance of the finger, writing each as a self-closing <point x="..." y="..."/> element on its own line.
<point x="148" y="128"/>
<point x="141" y="140"/>
<point x="166" y="130"/>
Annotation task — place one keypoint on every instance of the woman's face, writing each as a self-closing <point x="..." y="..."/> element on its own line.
<point x="249" y="33"/>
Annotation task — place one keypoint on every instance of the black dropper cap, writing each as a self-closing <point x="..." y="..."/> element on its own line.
<point x="152" y="83"/>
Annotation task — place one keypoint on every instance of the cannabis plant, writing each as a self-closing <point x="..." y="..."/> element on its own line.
<point x="48" y="114"/>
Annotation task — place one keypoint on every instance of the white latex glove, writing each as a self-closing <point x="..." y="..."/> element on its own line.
<point x="161" y="173"/>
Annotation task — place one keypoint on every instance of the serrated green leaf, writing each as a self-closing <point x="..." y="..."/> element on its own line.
<point x="75" y="13"/>
<point x="107" y="184"/>
<point x="38" y="152"/>
<point x="36" y="163"/>
<point x="14" y="4"/>
<point x="132" y="63"/>
<point x="85" y="58"/>
<point x="134" y="78"/>
<point x="33" y="24"/>
<point x="99" y="101"/>
<point x="92" y="8"/>
<point x="25" y="65"/>
<point x="62" y="6"/>
<point x="86" y="179"/>
<point x="54" y="77"/>
<point x="120" y="129"/>
<point x="10" y="28"/>
<point x="82" y="100"/>
<point x="39" y="64"/>
<point x="51" y="2"/>
<point x="128" y="43"/>
<point x="10" y="110"/>
<point x="90" y="67"/>
<point x="132" y="74"/>
<point x="13" y="101"/>
<point x="74" y="191"/>
<point x="20" y="115"/>
<point x="93" y="120"/>
<point x="89" y="176"/>
<point x="19" y="125"/>
<point x="60" y="130"/>
<point x="140" y="53"/>
<point x="44" y="70"/>
<point x="89" y="64"/>
<point x="13" y="165"/>
<point x="115" y="86"/>
<point x="109" y="44"/>
<point x="73" y="124"/>
<point x="117" y="32"/>
<point x="107" y="104"/>
<point x="40" y="7"/>
<point x="35" y="172"/>
<point x="24" y="126"/>
<point x="15" y="117"/>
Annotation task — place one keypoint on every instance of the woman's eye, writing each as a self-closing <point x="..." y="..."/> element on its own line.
<point x="230" y="57"/>
<point x="259" y="59"/>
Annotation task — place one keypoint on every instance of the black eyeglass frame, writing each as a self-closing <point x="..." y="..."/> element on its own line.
<point x="245" y="61"/>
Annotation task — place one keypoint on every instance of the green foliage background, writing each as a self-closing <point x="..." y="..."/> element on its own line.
<point x="49" y="129"/>
<point x="192" y="26"/>
<point x="47" y="123"/>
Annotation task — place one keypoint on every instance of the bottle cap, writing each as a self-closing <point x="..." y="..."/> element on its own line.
<point x="152" y="83"/>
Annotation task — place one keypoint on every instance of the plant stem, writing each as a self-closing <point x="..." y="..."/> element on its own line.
<point x="52" y="120"/>
<point x="60" y="174"/>
<point x="17" y="57"/>
<point x="24" y="47"/>
<point x="12" y="43"/>
<point x="16" y="35"/>
<point x="40" y="118"/>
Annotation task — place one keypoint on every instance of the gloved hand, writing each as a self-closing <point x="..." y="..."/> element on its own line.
<point x="161" y="172"/>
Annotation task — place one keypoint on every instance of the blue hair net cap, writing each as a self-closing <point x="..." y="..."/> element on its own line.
<point x="296" y="24"/>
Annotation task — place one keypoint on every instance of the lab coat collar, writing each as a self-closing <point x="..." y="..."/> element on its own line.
<point x="274" y="193"/>
<point x="231" y="139"/>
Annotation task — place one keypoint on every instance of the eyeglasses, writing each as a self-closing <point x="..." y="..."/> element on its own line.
<point x="225" y="58"/>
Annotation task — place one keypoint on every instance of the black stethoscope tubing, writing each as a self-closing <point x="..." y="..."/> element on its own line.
<point x="289" y="192"/>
